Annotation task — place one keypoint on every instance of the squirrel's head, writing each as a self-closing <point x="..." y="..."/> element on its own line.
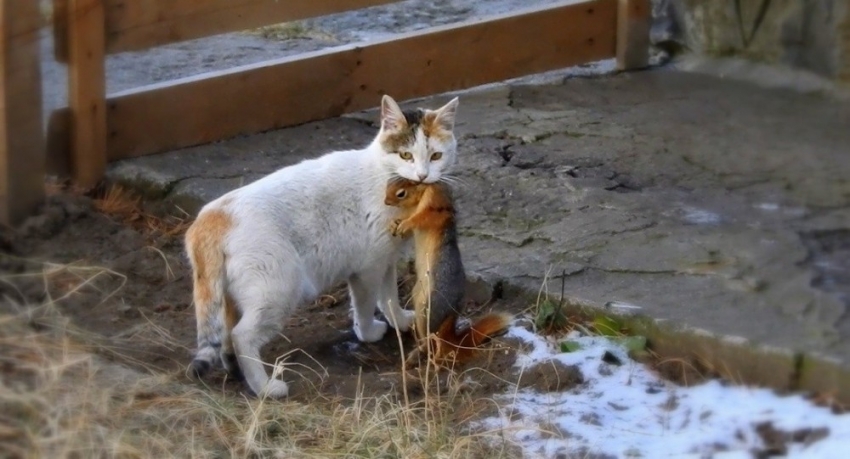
<point x="403" y="193"/>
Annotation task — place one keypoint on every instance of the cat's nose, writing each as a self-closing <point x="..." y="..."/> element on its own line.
<point x="422" y="176"/>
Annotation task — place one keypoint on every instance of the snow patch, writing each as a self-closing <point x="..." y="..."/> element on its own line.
<point x="623" y="409"/>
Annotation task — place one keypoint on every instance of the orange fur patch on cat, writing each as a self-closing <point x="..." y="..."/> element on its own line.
<point x="205" y="239"/>
<point x="231" y="312"/>
<point x="432" y="127"/>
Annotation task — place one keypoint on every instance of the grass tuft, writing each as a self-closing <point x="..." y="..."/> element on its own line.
<point x="295" y="30"/>
<point x="126" y="207"/>
<point x="65" y="392"/>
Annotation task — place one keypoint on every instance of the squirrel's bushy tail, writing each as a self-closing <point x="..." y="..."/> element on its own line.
<point x="450" y="346"/>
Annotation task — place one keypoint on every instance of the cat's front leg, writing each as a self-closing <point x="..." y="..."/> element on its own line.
<point x="389" y="303"/>
<point x="364" y="291"/>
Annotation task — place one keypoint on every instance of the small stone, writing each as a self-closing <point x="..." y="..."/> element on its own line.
<point x="563" y="171"/>
<point x="590" y="183"/>
<point x="128" y="311"/>
<point x="610" y="358"/>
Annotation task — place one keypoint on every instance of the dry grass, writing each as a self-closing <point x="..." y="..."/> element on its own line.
<point x="291" y="31"/>
<point x="127" y="208"/>
<point x="60" y="398"/>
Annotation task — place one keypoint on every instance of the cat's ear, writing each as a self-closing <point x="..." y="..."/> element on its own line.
<point x="446" y="115"/>
<point x="392" y="119"/>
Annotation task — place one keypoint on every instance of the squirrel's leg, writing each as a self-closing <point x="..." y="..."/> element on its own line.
<point x="401" y="228"/>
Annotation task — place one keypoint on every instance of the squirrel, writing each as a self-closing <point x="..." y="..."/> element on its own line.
<point x="428" y="212"/>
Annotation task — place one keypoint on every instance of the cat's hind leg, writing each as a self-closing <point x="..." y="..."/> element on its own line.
<point x="228" y="354"/>
<point x="265" y="296"/>
<point x="254" y="330"/>
<point x="364" y="291"/>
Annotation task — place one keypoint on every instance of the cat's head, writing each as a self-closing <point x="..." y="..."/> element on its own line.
<point x="418" y="145"/>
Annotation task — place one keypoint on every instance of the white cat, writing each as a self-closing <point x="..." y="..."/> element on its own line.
<point x="264" y="249"/>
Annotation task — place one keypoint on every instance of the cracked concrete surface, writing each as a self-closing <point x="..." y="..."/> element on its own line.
<point x="708" y="203"/>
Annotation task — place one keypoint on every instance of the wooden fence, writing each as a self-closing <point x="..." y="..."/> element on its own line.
<point x="21" y="138"/>
<point x="97" y="128"/>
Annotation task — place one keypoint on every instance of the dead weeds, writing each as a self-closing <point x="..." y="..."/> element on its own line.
<point x="295" y="30"/>
<point x="126" y="207"/>
<point x="66" y="392"/>
<point x="58" y="400"/>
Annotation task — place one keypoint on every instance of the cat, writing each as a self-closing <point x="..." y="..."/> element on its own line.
<point x="262" y="250"/>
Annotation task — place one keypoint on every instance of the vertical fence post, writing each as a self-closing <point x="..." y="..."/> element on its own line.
<point x="21" y="136"/>
<point x="634" y="18"/>
<point x="86" y="41"/>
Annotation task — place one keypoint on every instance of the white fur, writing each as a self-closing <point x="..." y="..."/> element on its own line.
<point x="307" y="227"/>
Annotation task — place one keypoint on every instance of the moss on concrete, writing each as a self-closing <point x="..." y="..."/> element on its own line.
<point x="733" y="359"/>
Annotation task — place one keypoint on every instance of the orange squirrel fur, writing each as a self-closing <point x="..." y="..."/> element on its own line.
<point x="449" y="346"/>
<point x="428" y="212"/>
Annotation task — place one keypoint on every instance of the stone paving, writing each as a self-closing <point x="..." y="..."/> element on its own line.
<point x="709" y="204"/>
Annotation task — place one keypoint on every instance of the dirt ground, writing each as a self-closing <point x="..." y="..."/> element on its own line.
<point x="118" y="272"/>
<point x="115" y="268"/>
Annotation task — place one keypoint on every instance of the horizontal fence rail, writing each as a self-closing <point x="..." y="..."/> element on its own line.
<point x="132" y="25"/>
<point x="97" y="128"/>
<point x="329" y="83"/>
<point x="135" y="24"/>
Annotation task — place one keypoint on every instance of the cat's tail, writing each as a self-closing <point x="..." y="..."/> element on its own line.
<point x="449" y="346"/>
<point x="213" y="313"/>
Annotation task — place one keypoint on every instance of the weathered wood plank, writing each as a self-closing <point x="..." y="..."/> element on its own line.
<point x="134" y="24"/>
<point x="87" y="91"/>
<point x="58" y="143"/>
<point x="60" y="30"/>
<point x="329" y="83"/>
<point x="634" y="18"/>
<point x="21" y="137"/>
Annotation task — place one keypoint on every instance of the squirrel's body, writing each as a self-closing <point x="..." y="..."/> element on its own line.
<point x="428" y="212"/>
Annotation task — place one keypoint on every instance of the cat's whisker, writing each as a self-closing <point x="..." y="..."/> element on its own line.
<point x="454" y="180"/>
<point x="376" y="175"/>
<point x="382" y="176"/>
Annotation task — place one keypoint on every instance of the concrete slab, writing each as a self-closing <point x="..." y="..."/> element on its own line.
<point x="710" y="204"/>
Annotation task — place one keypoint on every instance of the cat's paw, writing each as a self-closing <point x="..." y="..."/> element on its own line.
<point x="371" y="331"/>
<point x="403" y="320"/>
<point x="275" y="389"/>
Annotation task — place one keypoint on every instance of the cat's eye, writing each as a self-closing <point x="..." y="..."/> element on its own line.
<point x="401" y="193"/>
<point x="405" y="155"/>
<point x="436" y="156"/>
